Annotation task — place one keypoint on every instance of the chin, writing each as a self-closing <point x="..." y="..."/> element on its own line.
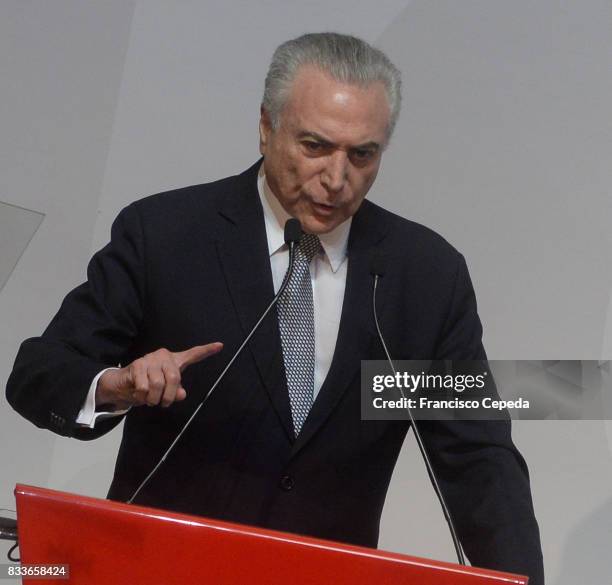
<point x="312" y="225"/>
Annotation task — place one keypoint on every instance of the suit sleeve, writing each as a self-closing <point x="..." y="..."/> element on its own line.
<point x="480" y="471"/>
<point x="95" y="327"/>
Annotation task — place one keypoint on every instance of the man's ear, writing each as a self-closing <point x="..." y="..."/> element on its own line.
<point x="265" y="128"/>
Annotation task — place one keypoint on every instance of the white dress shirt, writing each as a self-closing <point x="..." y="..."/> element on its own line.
<point x="328" y="274"/>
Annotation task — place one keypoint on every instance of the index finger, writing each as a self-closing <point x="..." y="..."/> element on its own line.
<point x="196" y="354"/>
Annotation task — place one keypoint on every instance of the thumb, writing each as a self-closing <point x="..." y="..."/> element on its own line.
<point x="196" y="354"/>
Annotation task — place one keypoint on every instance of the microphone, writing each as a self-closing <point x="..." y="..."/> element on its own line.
<point x="293" y="231"/>
<point x="293" y="235"/>
<point x="377" y="265"/>
<point x="377" y="270"/>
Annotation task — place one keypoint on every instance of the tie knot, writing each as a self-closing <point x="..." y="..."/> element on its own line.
<point x="309" y="246"/>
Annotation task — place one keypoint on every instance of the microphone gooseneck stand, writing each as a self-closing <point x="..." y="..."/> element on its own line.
<point x="293" y="235"/>
<point x="377" y="270"/>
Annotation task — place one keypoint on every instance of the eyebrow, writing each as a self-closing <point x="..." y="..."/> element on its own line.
<point x="365" y="146"/>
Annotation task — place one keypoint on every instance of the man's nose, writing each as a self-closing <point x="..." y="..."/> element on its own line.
<point x="335" y="173"/>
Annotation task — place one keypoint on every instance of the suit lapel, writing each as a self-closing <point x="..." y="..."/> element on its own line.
<point x="245" y="260"/>
<point x="357" y="329"/>
<point x="243" y="253"/>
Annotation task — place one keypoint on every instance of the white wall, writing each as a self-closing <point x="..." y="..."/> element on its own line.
<point x="504" y="146"/>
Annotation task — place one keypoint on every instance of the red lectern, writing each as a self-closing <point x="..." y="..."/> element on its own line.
<point x="108" y="543"/>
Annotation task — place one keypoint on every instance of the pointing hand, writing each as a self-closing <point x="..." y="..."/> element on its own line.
<point x="154" y="379"/>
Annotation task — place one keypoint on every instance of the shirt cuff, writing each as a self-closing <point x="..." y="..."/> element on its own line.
<point x="87" y="415"/>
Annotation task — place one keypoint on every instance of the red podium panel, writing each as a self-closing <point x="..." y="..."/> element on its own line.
<point x="108" y="543"/>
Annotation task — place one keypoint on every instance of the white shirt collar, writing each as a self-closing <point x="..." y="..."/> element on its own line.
<point x="334" y="243"/>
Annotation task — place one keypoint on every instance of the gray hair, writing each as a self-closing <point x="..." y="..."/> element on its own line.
<point x="347" y="59"/>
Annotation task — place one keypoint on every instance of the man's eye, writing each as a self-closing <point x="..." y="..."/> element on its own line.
<point x="313" y="146"/>
<point x="362" y="154"/>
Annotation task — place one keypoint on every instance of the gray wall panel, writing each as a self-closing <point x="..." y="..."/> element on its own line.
<point x="61" y="65"/>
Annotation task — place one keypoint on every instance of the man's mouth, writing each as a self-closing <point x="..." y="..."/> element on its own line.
<point x="322" y="208"/>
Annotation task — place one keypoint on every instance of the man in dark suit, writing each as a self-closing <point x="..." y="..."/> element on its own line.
<point x="192" y="268"/>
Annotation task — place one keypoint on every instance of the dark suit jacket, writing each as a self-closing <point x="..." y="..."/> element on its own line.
<point x="191" y="267"/>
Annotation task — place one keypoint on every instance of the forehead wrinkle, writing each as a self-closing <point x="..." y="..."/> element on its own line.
<point x="317" y="132"/>
<point x="329" y="126"/>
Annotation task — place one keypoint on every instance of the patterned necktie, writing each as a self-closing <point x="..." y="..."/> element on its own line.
<point x="296" y="321"/>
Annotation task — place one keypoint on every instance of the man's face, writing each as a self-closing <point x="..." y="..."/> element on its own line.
<point x="323" y="158"/>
